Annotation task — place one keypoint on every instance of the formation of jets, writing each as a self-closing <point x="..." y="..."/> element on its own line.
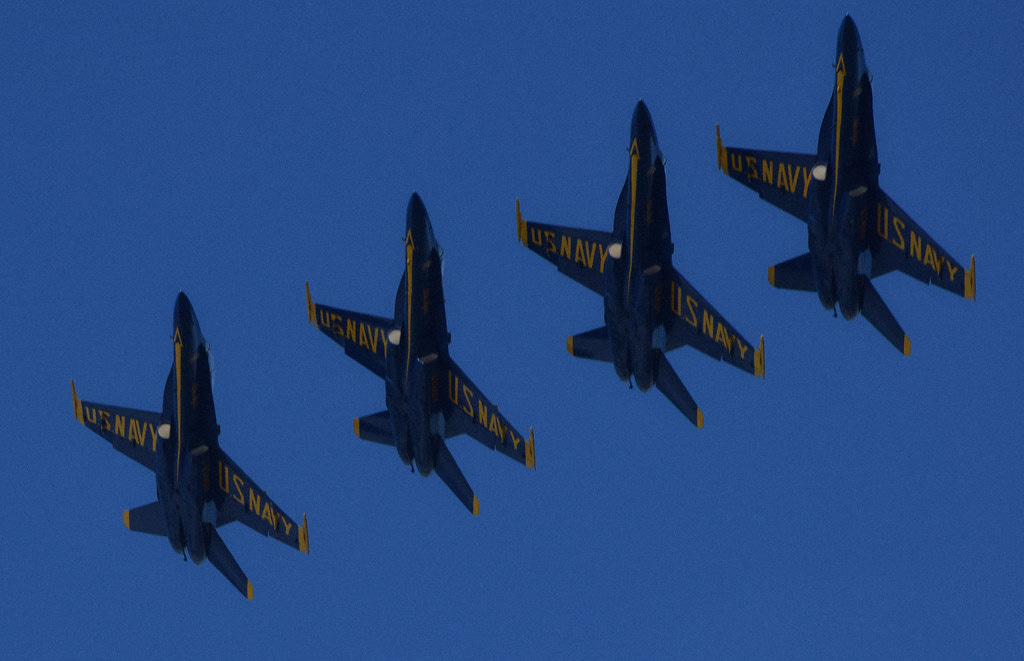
<point x="855" y="232"/>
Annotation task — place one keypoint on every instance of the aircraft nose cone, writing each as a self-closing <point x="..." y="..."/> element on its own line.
<point x="185" y="323"/>
<point x="182" y="308"/>
<point x="417" y="224"/>
<point x="849" y="37"/>
<point x="642" y="123"/>
<point x="643" y="134"/>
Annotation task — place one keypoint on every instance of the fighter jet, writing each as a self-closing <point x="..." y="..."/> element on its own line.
<point x="855" y="231"/>
<point x="428" y="397"/>
<point x="198" y="487"/>
<point x="649" y="308"/>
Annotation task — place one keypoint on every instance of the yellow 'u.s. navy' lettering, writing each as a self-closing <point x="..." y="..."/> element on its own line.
<point x="139" y="432"/>
<point x="480" y="411"/>
<point x="252" y="498"/>
<point x="914" y="245"/>
<point x="588" y="254"/>
<point x="704" y="320"/>
<point x="786" y="176"/>
<point x="366" y="336"/>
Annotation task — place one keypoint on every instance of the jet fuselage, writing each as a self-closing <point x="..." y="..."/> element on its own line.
<point x="640" y="256"/>
<point x="418" y="347"/>
<point x="844" y="184"/>
<point x="188" y="433"/>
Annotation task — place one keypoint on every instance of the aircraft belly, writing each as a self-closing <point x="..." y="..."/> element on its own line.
<point x="172" y="519"/>
<point x="191" y="509"/>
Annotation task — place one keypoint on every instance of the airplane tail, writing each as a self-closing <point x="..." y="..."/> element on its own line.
<point x="375" y="427"/>
<point x="593" y="344"/>
<point x="148" y="519"/>
<point x="222" y="559"/>
<point x="449" y="472"/>
<point x="875" y="310"/>
<point x="796" y="273"/>
<point x="669" y="384"/>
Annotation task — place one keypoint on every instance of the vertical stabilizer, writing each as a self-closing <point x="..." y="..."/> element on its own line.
<point x="875" y="310"/>
<point x="669" y="384"/>
<point x="449" y="472"/>
<point x="222" y="559"/>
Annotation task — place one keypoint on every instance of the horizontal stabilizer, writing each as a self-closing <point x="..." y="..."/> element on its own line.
<point x="594" y="344"/>
<point x="375" y="427"/>
<point x="669" y="384"/>
<point x="449" y="472"/>
<point x="148" y="519"/>
<point x="875" y="310"/>
<point x="796" y="273"/>
<point x="222" y="559"/>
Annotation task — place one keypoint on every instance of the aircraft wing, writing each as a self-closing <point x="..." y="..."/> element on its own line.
<point x="693" y="321"/>
<point x="578" y="253"/>
<point x="132" y="432"/>
<point x="239" y="498"/>
<point x="900" y="243"/>
<point x="470" y="412"/>
<point x="364" y="337"/>
<point x="782" y="178"/>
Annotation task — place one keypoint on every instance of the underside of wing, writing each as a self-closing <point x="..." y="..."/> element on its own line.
<point x="470" y="412"/>
<point x="239" y="498"/>
<point x="782" y="178"/>
<point x="364" y="337"/>
<point x="900" y="244"/>
<point x="692" y="320"/>
<point x="132" y="432"/>
<point x="578" y="253"/>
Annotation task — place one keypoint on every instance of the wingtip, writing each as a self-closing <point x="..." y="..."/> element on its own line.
<point x="568" y="345"/>
<point x="355" y="427"/>
<point x="906" y="345"/>
<point x="970" y="284"/>
<point x="531" y="454"/>
<point x="520" y="225"/>
<point x="310" y="307"/>
<point x="759" y="359"/>
<point x="248" y="590"/>
<point x="476" y="506"/>
<point x="77" y="404"/>
<point x="126" y="518"/>
<point x="700" y="419"/>
<point x="304" y="535"/>
<point x="721" y="152"/>
<point x="771" y="275"/>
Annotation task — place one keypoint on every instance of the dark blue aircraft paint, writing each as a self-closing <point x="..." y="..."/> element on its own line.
<point x="649" y="308"/>
<point x="198" y="486"/>
<point x="429" y="398"/>
<point x="855" y="232"/>
<point x="417" y="424"/>
<point x="631" y="311"/>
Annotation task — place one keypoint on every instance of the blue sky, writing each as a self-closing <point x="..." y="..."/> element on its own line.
<point x="856" y="503"/>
